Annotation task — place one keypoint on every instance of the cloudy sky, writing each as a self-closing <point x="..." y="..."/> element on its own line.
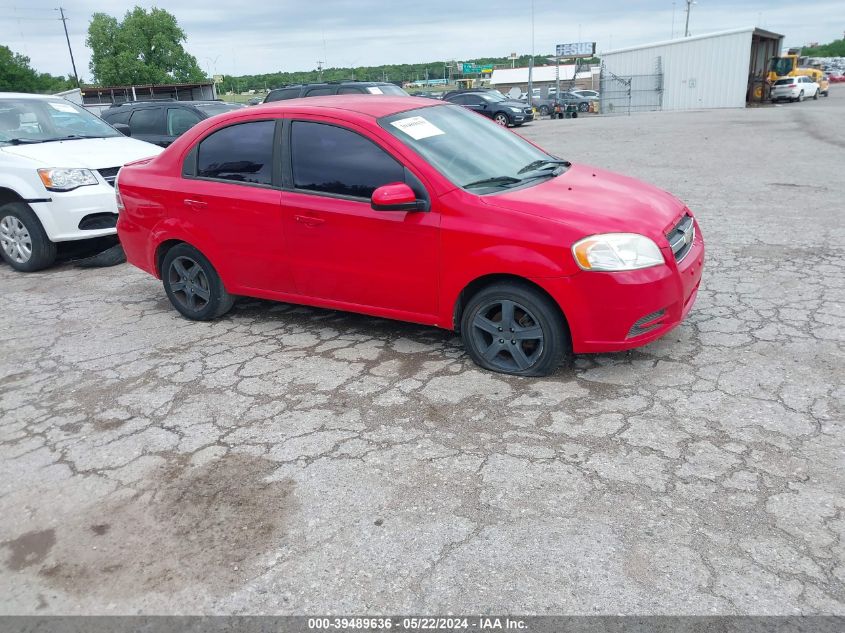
<point x="256" y="37"/>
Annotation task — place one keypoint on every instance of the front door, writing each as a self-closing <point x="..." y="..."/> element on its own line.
<point x="343" y="250"/>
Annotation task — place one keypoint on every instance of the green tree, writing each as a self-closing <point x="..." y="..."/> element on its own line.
<point x="836" y="48"/>
<point x="145" y="48"/>
<point x="16" y="75"/>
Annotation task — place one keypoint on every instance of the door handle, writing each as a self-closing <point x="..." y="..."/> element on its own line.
<point x="195" y="204"/>
<point x="308" y="220"/>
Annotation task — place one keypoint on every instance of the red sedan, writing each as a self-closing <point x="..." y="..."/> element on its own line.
<point x="415" y="210"/>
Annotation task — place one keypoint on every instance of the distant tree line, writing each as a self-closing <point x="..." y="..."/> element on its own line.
<point x="16" y="75"/>
<point x="836" y="48"/>
<point x="396" y="73"/>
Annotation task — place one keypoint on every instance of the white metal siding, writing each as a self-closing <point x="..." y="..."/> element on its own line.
<point x="710" y="71"/>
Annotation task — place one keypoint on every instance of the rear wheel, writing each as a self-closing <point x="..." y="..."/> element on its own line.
<point x="816" y="96"/>
<point x="544" y="110"/>
<point x="193" y="286"/>
<point x="513" y="328"/>
<point x="24" y="244"/>
<point x="583" y="107"/>
<point x="502" y="119"/>
<point x="800" y="96"/>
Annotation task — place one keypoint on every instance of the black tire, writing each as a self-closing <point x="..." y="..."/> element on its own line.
<point x="816" y="96"/>
<point x="800" y="96"/>
<point x="502" y="119"/>
<point x="193" y="286"/>
<point x="583" y="107"/>
<point x="544" y="110"/>
<point x="531" y="313"/>
<point x="21" y="230"/>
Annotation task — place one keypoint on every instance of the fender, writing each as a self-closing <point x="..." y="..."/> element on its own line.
<point x="191" y="233"/>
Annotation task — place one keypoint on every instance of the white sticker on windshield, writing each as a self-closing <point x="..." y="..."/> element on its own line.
<point x="417" y="127"/>
<point x="62" y="107"/>
<point x="375" y="90"/>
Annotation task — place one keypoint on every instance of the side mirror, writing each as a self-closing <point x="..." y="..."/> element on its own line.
<point x="122" y="128"/>
<point x="396" y="196"/>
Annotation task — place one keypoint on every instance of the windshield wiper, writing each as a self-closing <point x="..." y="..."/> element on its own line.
<point x="72" y="137"/>
<point x="23" y="141"/>
<point x="543" y="161"/>
<point x="495" y="180"/>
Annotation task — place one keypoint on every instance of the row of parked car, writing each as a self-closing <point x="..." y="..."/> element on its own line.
<point x="381" y="206"/>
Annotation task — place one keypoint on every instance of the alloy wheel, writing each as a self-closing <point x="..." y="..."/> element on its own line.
<point x="189" y="284"/>
<point x="15" y="239"/>
<point x="507" y="335"/>
<point x="502" y="119"/>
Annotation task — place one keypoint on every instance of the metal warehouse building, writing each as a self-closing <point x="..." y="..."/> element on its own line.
<point x="716" y="70"/>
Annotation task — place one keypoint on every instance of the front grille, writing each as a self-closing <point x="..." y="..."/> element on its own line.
<point x="109" y="174"/>
<point x="681" y="237"/>
<point x="96" y="221"/>
<point x="646" y="323"/>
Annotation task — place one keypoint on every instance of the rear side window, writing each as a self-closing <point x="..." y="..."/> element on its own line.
<point x="282" y="94"/>
<point x="349" y="90"/>
<point x="240" y="153"/>
<point x="146" y="121"/>
<point x="319" y="92"/>
<point x="180" y="121"/>
<point x="118" y="117"/>
<point x="334" y="160"/>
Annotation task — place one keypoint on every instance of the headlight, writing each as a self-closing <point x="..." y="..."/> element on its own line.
<point x="616" y="251"/>
<point x="516" y="109"/>
<point x="59" y="179"/>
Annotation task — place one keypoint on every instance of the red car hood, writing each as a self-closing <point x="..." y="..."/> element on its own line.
<point x="594" y="200"/>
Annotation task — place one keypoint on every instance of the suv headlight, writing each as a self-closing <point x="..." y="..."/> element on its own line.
<point x="616" y="251"/>
<point x="61" y="179"/>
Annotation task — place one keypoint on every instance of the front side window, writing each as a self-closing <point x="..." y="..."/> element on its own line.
<point x="240" y="153"/>
<point x="180" y="121"/>
<point x="145" y="121"/>
<point x="335" y="160"/>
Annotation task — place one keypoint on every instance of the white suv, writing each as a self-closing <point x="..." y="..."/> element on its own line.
<point x="795" y="89"/>
<point x="58" y="164"/>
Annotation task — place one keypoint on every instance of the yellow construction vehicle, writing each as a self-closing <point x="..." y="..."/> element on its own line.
<point x="793" y="65"/>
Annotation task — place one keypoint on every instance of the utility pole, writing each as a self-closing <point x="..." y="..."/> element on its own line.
<point x="320" y="69"/>
<point x="69" y="49"/>
<point x="531" y="61"/>
<point x="673" y="21"/>
<point x="689" y="7"/>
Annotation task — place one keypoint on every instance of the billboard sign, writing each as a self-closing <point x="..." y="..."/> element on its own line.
<point x="576" y="49"/>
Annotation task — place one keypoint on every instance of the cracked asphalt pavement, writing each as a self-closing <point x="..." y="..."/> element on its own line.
<point x="292" y="460"/>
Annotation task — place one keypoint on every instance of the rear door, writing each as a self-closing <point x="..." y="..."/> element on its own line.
<point x="231" y="194"/>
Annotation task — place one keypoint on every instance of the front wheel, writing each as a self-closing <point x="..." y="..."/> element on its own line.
<point x="24" y="244"/>
<point x="502" y="119"/>
<point x="583" y="107"/>
<point x="193" y="286"/>
<point x="544" y="110"/>
<point x="513" y="328"/>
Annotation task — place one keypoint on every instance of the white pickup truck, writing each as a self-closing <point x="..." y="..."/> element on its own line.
<point x="58" y="164"/>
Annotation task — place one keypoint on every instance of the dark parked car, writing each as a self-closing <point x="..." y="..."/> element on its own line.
<point x="545" y="105"/>
<point x="162" y="122"/>
<point x="335" y="88"/>
<point x="493" y="104"/>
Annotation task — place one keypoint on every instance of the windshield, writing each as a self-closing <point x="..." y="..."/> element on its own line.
<point x="468" y="149"/>
<point x="217" y="108"/>
<point x="40" y="120"/>
<point x="781" y="65"/>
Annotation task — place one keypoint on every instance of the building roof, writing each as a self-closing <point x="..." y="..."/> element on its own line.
<point x="95" y="89"/>
<point x="540" y="74"/>
<point x="692" y="38"/>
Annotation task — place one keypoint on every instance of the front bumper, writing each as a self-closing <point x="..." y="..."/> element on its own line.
<point x="61" y="214"/>
<point x="612" y="312"/>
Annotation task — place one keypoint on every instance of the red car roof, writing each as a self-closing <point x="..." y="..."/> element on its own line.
<point x="371" y="105"/>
